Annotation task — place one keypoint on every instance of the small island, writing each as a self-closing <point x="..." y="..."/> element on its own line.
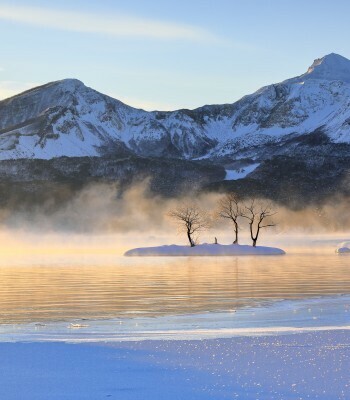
<point x="204" y="250"/>
<point x="191" y="220"/>
<point x="343" y="248"/>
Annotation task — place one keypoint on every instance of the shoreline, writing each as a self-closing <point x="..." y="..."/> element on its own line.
<point x="180" y="336"/>
<point x="266" y="318"/>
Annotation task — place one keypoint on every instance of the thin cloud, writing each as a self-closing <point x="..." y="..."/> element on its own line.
<point x="114" y="25"/>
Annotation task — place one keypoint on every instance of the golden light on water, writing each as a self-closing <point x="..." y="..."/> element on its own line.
<point x="53" y="287"/>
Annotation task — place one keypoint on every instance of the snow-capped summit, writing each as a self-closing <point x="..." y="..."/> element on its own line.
<point x="70" y="83"/>
<point x="331" y="67"/>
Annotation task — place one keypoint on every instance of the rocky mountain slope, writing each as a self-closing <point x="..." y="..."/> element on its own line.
<point x="66" y="118"/>
<point x="306" y="117"/>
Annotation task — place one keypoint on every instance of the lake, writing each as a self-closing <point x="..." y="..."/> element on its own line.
<point x="96" y="287"/>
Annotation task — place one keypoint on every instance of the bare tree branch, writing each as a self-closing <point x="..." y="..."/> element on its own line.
<point x="191" y="219"/>
<point x="256" y="213"/>
<point x="229" y="208"/>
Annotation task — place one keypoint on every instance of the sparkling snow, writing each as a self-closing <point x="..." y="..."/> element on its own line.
<point x="312" y="365"/>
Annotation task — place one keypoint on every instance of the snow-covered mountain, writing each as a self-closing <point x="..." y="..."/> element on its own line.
<point x="66" y="118"/>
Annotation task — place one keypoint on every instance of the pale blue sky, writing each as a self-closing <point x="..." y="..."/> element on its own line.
<point x="167" y="54"/>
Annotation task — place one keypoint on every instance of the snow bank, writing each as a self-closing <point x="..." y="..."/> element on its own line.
<point x="343" y="247"/>
<point x="205" y="250"/>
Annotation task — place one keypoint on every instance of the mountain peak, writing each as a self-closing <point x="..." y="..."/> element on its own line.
<point x="332" y="67"/>
<point x="69" y="84"/>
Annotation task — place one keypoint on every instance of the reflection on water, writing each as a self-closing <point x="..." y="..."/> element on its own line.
<point x="55" y="289"/>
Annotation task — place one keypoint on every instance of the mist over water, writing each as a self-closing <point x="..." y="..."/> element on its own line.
<point x="68" y="264"/>
<point x="104" y="208"/>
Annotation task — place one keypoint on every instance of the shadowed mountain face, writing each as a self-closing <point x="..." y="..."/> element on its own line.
<point x="305" y="117"/>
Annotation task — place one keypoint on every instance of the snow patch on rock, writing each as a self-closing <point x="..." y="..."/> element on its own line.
<point x="233" y="174"/>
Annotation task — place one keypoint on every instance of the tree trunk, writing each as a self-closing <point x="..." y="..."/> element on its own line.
<point x="236" y="233"/>
<point x="190" y="239"/>
<point x="256" y="236"/>
<point x="251" y="234"/>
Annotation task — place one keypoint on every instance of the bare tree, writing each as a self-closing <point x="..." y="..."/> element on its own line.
<point x="191" y="219"/>
<point x="230" y="208"/>
<point x="258" y="215"/>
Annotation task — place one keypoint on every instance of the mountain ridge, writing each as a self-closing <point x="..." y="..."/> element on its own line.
<point x="93" y="120"/>
<point x="297" y="119"/>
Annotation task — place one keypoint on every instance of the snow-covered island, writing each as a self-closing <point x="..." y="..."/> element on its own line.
<point x="343" y="247"/>
<point x="204" y="250"/>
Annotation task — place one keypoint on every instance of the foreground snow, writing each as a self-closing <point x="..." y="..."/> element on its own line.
<point x="205" y="250"/>
<point x="343" y="247"/>
<point x="294" y="366"/>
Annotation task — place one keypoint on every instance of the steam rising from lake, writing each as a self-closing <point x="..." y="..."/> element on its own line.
<point x="99" y="218"/>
